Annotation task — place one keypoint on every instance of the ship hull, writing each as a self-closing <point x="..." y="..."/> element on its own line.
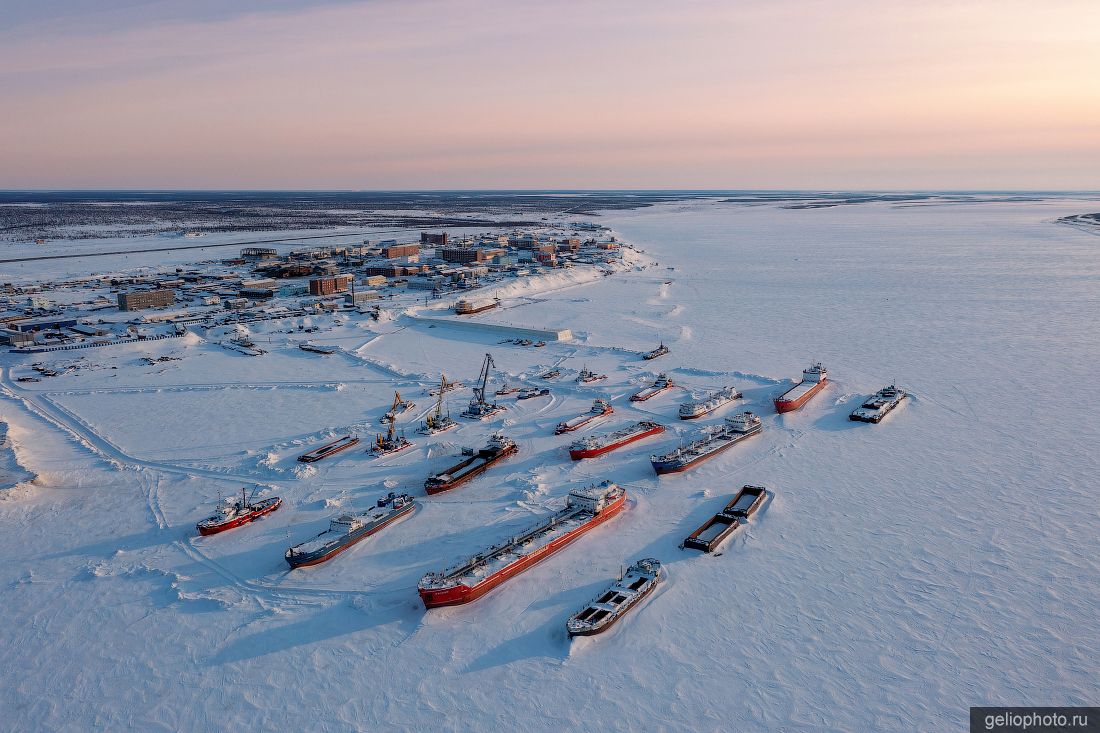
<point x="577" y="455"/>
<point x="566" y="427"/>
<point x="308" y="560"/>
<point x="459" y="594"/>
<point x="473" y="471"/>
<point x="316" y="455"/>
<point x="782" y="404"/>
<point x="663" y="467"/>
<point x="648" y="395"/>
<point x="206" y="530"/>
<point x="615" y="618"/>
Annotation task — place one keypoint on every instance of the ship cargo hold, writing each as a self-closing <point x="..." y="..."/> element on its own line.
<point x="662" y="384"/>
<point x="236" y="512"/>
<point x="732" y="431"/>
<point x="813" y="381"/>
<point x="498" y="448"/>
<point x="346" y="530"/>
<point x="718" y="528"/>
<point x="698" y="408"/>
<point x="329" y="449"/>
<point x="596" y="445"/>
<point x="878" y="405"/>
<point x="599" y="409"/>
<point x="585" y="509"/>
<point x="639" y="580"/>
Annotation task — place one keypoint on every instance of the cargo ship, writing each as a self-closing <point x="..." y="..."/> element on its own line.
<point x="813" y="381"/>
<point x="467" y="307"/>
<point x="347" y="529"/>
<point x="878" y="405"/>
<point x="329" y="449"/>
<point x="597" y="445"/>
<point x="528" y="393"/>
<point x="498" y="448"/>
<point x="663" y="383"/>
<point x="711" y="402"/>
<point x="585" y="509"/>
<point x="659" y="351"/>
<point x="639" y="581"/>
<point x="599" y="409"/>
<point x="236" y="512"/>
<point x="735" y="429"/>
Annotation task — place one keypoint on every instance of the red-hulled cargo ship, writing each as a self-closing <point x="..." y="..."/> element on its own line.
<point x="597" y="445"/>
<point x="498" y="448"/>
<point x="236" y="512"/>
<point x="585" y="509"/>
<point x="813" y="381"/>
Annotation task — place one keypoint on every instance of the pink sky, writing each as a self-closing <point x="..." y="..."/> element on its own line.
<point x="512" y="94"/>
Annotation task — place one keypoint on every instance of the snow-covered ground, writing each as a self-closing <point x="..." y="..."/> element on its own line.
<point x="901" y="572"/>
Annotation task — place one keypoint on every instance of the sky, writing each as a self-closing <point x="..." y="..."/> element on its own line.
<point x="472" y="94"/>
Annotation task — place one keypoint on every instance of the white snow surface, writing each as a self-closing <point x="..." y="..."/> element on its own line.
<point x="901" y="572"/>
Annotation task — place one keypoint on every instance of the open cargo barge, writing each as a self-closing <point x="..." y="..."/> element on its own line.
<point x="498" y="448"/>
<point x="718" y="528"/>
<point x="598" y="616"/>
<point x="329" y="449"/>
<point x="585" y="509"/>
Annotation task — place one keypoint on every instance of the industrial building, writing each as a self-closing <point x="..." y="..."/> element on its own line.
<point x="433" y="240"/>
<point x="329" y="285"/>
<point x="390" y="251"/>
<point x="469" y="254"/>
<point x="140" y="299"/>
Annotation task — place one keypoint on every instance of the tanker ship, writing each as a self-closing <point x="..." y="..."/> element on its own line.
<point x="498" y="448"/>
<point x="585" y="509"/>
<point x="735" y="429"/>
<point x="599" y="409"/>
<point x="710" y="403"/>
<point x="813" y="381"/>
<point x="597" y="445"/>
<point x="348" y="529"/>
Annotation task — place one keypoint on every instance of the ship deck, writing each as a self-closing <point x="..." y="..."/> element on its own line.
<point x="799" y="391"/>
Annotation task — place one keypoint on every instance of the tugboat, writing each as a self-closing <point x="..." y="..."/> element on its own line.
<point x="735" y="429"/>
<point x="711" y="402"/>
<point x="659" y="351"/>
<point x="399" y="407"/>
<point x="471" y="579"/>
<point x="552" y="374"/>
<point x="878" y="405"/>
<point x="599" y="409"/>
<point x="663" y="383"/>
<point x="498" y="448"/>
<point x="479" y="408"/>
<point x="529" y="392"/>
<point x="329" y="449"/>
<point x="640" y="580"/>
<point x="235" y="512"/>
<point x="588" y="377"/>
<point x="506" y="389"/>
<point x="813" y="381"/>
<point x="596" y="445"/>
<point x="348" y="529"/>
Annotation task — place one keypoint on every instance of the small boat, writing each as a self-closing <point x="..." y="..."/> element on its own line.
<point x="718" y="528"/>
<point x="529" y="392"/>
<point x="525" y="342"/>
<point x="878" y="405"/>
<point x="236" y="512"/>
<point x="599" y="409"/>
<point x="552" y="374"/>
<point x="639" y="581"/>
<point x="506" y="389"/>
<point x="813" y="381"/>
<point x="596" y="445"/>
<point x="587" y="377"/>
<point x="540" y="344"/>
<point x="347" y="529"/>
<point x="498" y="448"/>
<point x="329" y="449"/>
<point x="663" y="383"/>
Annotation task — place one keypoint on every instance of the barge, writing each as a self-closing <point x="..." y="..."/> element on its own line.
<point x="698" y="408"/>
<point x="718" y="528"/>
<point x="813" y="381"/>
<point x="347" y="529"/>
<point x="236" y="512"/>
<point x="662" y="384"/>
<point x="639" y="581"/>
<point x="733" y="431"/>
<point x="585" y="509"/>
<point x="318" y="348"/>
<point x="599" y="409"/>
<point x="498" y="448"/>
<point x="329" y="449"/>
<point x="879" y="405"/>
<point x="597" y="445"/>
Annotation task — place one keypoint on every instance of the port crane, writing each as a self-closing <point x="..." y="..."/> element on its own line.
<point x="479" y="409"/>
<point x="436" y="421"/>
